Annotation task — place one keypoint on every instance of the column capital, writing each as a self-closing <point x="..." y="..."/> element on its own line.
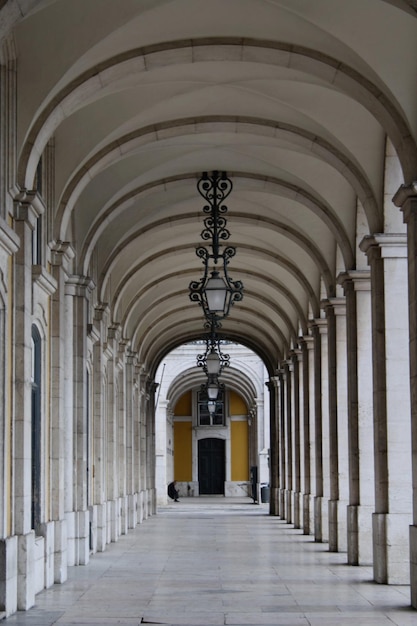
<point x="100" y="310"/>
<point x="114" y="331"/>
<point x="274" y="381"/>
<point x="320" y="323"/>
<point x="79" y="286"/>
<point x="308" y="341"/>
<point x="405" y="193"/>
<point x="28" y="206"/>
<point x="131" y="356"/>
<point x="297" y="354"/>
<point x="123" y="347"/>
<point x="359" y="279"/>
<point x="62" y="253"/>
<point x="384" y="245"/>
<point x="336" y="305"/>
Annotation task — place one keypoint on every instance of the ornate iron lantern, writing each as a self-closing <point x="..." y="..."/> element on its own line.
<point x="216" y="291"/>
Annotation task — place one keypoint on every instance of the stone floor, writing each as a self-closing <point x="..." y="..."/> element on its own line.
<point x="211" y="561"/>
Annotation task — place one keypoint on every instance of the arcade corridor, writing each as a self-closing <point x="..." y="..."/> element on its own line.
<point x="128" y="129"/>
<point x="214" y="561"/>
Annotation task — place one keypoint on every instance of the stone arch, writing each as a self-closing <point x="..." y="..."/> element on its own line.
<point x="94" y="81"/>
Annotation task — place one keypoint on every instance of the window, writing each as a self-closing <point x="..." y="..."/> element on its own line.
<point x="36" y="427"/>
<point x="205" y="418"/>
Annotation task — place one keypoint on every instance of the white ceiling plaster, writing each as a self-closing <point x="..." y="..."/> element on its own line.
<point x="293" y="98"/>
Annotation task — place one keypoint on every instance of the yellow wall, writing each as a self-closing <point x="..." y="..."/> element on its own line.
<point x="237" y="406"/>
<point x="240" y="450"/>
<point x="184" y="405"/>
<point x="183" y="451"/>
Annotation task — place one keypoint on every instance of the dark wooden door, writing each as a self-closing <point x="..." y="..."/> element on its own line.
<point x="211" y="466"/>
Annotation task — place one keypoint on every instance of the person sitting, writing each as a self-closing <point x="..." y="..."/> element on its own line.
<point x="172" y="491"/>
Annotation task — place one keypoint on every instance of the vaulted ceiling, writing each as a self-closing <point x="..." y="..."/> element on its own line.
<point x="294" y="99"/>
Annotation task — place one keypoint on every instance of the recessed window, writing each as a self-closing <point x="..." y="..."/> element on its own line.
<point x="210" y="418"/>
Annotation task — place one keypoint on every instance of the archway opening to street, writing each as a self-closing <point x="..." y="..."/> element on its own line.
<point x="212" y="452"/>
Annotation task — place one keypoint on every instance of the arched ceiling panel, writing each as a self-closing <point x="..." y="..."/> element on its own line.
<point x="294" y="99"/>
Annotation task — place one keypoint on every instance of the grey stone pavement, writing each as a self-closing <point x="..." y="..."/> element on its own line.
<point x="212" y="561"/>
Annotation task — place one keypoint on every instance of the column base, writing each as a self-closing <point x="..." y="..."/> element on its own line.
<point x="39" y="564"/>
<point x="413" y="565"/>
<point x="25" y="571"/>
<point x="140" y="507"/>
<point x="60" y="552"/>
<point x="47" y="531"/>
<point x="337" y="526"/>
<point x="82" y="544"/>
<point x="359" y="535"/>
<point x="112" y="521"/>
<point x="101" y="532"/>
<point x="288" y="496"/>
<point x="391" y="551"/>
<point x="132" y="510"/>
<point x="281" y="504"/>
<point x="274" y="501"/>
<point x="321" y="519"/>
<point x="70" y="520"/>
<point x="124" y="515"/>
<point x="8" y="575"/>
<point x="297" y="499"/>
<point x="307" y="507"/>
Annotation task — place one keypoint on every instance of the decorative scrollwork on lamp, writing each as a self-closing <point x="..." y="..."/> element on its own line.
<point x="216" y="291"/>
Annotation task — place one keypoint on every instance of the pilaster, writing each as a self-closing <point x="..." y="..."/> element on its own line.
<point x="310" y="450"/>
<point x="387" y="255"/>
<point x="335" y="309"/>
<point x="62" y="255"/>
<point x="287" y="443"/>
<point x="321" y="381"/>
<point x="357" y="288"/>
<point x="297" y="376"/>
<point x="27" y="208"/>
<point x="78" y="289"/>
<point x="272" y="385"/>
<point x="406" y="198"/>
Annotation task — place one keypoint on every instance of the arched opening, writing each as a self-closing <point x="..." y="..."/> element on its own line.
<point x="211" y="452"/>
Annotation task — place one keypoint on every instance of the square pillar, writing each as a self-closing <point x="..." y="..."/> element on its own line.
<point x="387" y="255"/>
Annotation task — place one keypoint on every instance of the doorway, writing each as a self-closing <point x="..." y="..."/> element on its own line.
<point x="211" y="466"/>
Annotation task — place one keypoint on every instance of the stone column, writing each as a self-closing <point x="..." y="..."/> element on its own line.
<point x="310" y="450"/>
<point x="122" y="437"/>
<point x="130" y="440"/>
<point x="357" y="288"/>
<point x="282" y="405"/>
<point x="296" y="359"/>
<point x="274" y="459"/>
<point x="99" y="484"/>
<point x="406" y="198"/>
<point x="9" y="244"/>
<point x="137" y="434"/>
<point x="288" y="441"/>
<point x="150" y="449"/>
<point x="61" y="257"/>
<point x="387" y="255"/>
<point x="338" y="430"/>
<point x="321" y="380"/>
<point x="28" y="207"/>
<point x="142" y="437"/>
<point x="112" y="436"/>
<point x="78" y="288"/>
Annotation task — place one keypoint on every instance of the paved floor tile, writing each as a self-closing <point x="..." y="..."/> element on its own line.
<point x="216" y="562"/>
